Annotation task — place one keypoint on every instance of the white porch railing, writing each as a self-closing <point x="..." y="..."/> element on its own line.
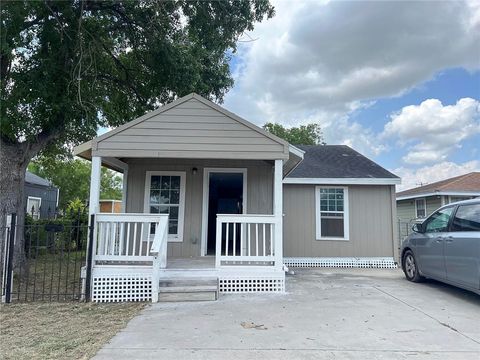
<point x="123" y="240"/>
<point x="130" y="238"/>
<point x="246" y="240"/>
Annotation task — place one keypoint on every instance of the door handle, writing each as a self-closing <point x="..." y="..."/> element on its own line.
<point x="439" y="240"/>
<point x="449" y="239"/>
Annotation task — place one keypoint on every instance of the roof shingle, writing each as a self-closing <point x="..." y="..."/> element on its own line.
<point x="464" y="183"/>
<point x="337" y="161"/>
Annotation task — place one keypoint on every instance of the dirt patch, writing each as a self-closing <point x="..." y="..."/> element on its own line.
<point x="60" y="330"/>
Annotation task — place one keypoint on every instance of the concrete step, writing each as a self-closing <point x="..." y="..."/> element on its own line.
<point x="188" y="289"/>
<point x="188" y="281"/>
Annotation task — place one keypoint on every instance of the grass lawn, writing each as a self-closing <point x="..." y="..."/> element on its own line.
<point x="69" y="330"/>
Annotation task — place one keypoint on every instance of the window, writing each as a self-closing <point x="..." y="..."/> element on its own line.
<point x="332" y="213"/>
<point x="165" y="194"/>
<point x="420" y="208"/>
<point x="33" y="206"/>
<point x="438" y="222"/>
<point x="467" y="218"/>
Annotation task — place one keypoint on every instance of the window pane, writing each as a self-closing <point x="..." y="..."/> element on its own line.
<point x="173" y="227"/>
<point x="155" y="184"/>
<point x="174" y="212"/>
<point x="155" y="197"/>
<point x="164" y="197"/>
<point x="332" y="227"/>
<point x="165" y="182"/>
<point x="467" y="218"/>
<point x="154" y="209"/>
<point x="438" y="222"/>
<point x="174" y="196"/>
<point x="175" y="182"/>
<point x="163" y="209"/>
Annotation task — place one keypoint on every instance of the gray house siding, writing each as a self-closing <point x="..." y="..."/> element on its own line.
<point x="190" y="129"/>
<point x="406" y="208"/>
<point x="259" y="192"/>
<point x="48" y="196"/>
<point x="371" y="223"/>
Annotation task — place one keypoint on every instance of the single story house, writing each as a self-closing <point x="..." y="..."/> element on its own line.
<point x="210" y="196"/>
<point x="40" y="196"/>
<point x="420" y="202"/>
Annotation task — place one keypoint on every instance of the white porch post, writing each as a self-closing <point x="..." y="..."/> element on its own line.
<point x="124" y="189"/>
<point x="95" y="185"/>
<point x="278" y="211"/>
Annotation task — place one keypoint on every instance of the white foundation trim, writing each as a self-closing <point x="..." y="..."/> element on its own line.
<point x="341" y="262"/>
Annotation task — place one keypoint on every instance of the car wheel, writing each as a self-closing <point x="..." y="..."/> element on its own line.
<point x="410" y="267"/>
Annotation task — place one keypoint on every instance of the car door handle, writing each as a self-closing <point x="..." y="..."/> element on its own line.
<point x="439" y="240"/>
<point x="449" y="239"/>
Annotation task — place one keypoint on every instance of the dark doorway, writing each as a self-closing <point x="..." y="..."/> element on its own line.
<point x="225" y="196"/>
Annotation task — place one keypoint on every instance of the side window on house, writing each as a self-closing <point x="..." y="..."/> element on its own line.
<point x="331" y="213"/>
<point x="33" y="207"/>
<point x="421" y="208"/>
<point x="467" y="218"/>
<point x="166" y="195"/>
<point x="438" y="222"/>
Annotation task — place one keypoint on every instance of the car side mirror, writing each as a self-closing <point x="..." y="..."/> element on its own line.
<point x="418" y="228"/>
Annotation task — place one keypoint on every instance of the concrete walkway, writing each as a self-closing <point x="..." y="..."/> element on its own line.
<point x="328" y="314"/>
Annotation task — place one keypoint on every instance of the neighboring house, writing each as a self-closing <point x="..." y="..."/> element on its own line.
<point x="420" y="202"/>
<point x="41" y="197"/>
<point x="111" y="206"/>
<point x="210" y="195"/>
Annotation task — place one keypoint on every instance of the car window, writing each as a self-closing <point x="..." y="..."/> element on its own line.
<point x="467" y="218"/>
<point x="438" y="222"/>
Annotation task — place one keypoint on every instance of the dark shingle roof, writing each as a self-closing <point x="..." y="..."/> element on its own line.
<point x="337" y="161"/>
<point x="468" y="183"/>
<point x="35" y="179"/>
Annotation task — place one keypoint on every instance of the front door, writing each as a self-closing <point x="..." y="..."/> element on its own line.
<point x="225" y="196"/>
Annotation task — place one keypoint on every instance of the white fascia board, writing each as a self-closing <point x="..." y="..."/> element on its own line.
<point x="439" y="193"/>
<point x="343" y="181"/>
<point x="296" y="151"/>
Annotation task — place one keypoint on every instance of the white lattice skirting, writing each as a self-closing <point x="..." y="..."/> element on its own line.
<point x="118" y="288"/>
<point x="341" y="262"/>
<point x="252" y="284"/>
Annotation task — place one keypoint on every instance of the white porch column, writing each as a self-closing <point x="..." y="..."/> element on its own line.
<point x="95" y="185"/>
<point x="124" y="190"/>
<point x="278" y="211"/>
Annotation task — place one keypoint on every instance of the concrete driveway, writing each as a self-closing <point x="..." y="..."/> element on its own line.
<point x="327" y="313"/>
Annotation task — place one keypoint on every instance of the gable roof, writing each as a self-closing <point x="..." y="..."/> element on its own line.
<point x="338" y="164"/>
<point x="173" y="121"/>
<point x="467" y="183"/>
<point x="36" y="180"/>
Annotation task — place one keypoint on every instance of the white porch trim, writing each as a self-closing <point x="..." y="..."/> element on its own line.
<point x="341" y="262"/>
<point x="343" y="181"/>
<point x="206" y="194"/>
<point x="94" y="201"/>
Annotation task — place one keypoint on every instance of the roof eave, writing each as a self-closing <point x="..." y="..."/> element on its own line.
<point x="343" y="181"/>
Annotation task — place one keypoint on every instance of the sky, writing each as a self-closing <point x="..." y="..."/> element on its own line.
<point x="397" y="81"/>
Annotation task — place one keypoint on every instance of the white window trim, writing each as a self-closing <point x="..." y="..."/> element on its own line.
<point x="318" y="220"/>
<point x="29" y="208"/>
<point x="181" y="207"/>
<point x="424" y="206"/>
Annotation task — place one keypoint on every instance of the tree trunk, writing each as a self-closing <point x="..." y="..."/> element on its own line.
<point x="13" y="164"/>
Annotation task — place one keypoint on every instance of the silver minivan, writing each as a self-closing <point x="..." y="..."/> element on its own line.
<point x="446" y="246"/>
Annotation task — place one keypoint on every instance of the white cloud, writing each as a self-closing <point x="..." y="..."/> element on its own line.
<point x="429" y="174"/>
<point x="322" y="61"/>
<point x="435" y="129"/>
